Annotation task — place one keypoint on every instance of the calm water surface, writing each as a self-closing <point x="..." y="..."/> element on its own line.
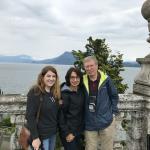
<point x="17" y="78"/>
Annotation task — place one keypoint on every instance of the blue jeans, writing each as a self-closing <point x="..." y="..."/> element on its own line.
<point x="49" y="144"/>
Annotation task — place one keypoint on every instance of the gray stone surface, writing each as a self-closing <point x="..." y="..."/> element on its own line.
<point x="130" y="106"/>
<point x="145" y="9"/>
<point x="146" y="14"/>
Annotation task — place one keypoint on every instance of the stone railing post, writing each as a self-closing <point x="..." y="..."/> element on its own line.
<point x="18" y="120"/>
<point x="148" y="121"/>
<point x="15" y="106"/>
<point x="134" y="104"/>
<point x="142" y="87"/>
<point x="137" y="132"/>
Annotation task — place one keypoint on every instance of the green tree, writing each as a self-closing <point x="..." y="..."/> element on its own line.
<point x="107" y="62"/>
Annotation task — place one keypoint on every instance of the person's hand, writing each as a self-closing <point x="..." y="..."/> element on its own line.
<point x="36" y="144"/>
<point x="60" y="102"/>
<point x="70" y="137"/>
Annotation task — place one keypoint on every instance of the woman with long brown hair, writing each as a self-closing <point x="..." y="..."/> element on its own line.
<point x="43" y="132"/>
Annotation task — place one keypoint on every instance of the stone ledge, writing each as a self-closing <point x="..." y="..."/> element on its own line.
<point x="12" y="98"/>
<point x="141" y="89"/>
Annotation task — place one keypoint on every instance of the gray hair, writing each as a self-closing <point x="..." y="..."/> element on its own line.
<point x="88" y="58"/>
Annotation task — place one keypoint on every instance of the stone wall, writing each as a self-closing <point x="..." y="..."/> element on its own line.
<point x="133" y="108"/>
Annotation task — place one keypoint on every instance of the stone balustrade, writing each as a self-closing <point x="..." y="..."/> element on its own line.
<point x="133" y="108"/>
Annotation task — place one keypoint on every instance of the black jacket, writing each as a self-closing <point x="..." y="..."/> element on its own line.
<point x="71" y="111"/>
<point x="47" y="124"/>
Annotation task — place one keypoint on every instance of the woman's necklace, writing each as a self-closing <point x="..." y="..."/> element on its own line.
<point x="52" y="99"/>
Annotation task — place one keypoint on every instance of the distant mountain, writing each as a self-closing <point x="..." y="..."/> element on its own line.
<point x="16" y="59"/>
<point x="131" y="64"/>
<point x="65" y="59"/>
<point x="68" y="59"/>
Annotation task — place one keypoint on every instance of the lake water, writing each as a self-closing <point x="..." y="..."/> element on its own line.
<point x="17" y="78"/>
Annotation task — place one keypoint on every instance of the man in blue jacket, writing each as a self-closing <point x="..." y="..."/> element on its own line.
<point x="100" y="106"/>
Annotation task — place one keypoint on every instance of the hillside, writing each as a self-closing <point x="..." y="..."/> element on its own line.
<point x="16" y="59"/>
<point x="65" y="59"/>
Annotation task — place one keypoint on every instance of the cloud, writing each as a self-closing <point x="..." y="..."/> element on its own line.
<point x="45" y="29"/>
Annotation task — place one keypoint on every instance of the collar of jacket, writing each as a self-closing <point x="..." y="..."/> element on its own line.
<point x="102" y="79"/>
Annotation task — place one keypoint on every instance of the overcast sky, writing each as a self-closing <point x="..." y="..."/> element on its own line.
<point x="47" y="28"/>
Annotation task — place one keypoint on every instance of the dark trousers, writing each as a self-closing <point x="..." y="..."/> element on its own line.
<point x="76" y="144"/>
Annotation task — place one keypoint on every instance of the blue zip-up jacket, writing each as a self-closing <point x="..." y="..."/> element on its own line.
<point x="106" y="104"/>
